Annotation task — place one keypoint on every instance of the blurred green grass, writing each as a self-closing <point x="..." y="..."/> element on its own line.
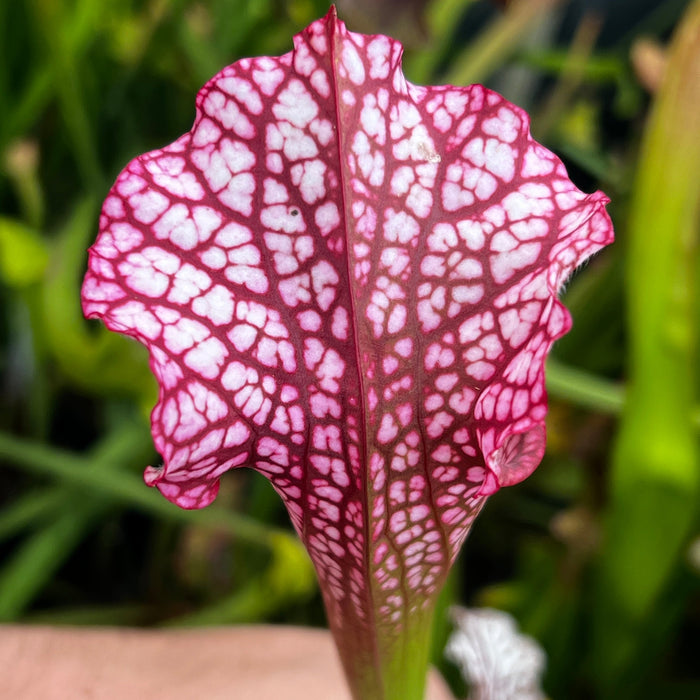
<point x="593" y="554"/>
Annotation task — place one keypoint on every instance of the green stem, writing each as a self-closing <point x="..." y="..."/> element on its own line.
<point x="389" y="664"/>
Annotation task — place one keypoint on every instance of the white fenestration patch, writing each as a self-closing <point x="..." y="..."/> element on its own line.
<point x="170" y="174"/>
<point x="309" y="177"/>
<point x="229" y="114"/>
<point x="288" y="252"/>
<point x="244" y="269"/>
<point x="327" y="217"/>
<point x="353" y="64"/>
<point x="274" y="192"/>
<point x="324" y="280"/>
<point x="492" y="155"/>
<point x="148" y="206"/>
<point x="400" y="227"/>
<point x="206" y="132"/>
<point x="216" y="305"/>
<point x="149" y="271"/>
<point x="243" y="91"/>
<point x="269" y="76"/>
<point x="506" y="263"/>
<point x="506" y="126"/>
<point x="379" y="52"/>
<point x="233" y="235"/>
<point x="207" y="358"/>
<point x="279" y="217"/>
<point x="295" y="105"/>
<point x="187" y="283"/>
<point x="372" y="120"/>
<point x="134" y="315"/>
<point x="238" y="194"/>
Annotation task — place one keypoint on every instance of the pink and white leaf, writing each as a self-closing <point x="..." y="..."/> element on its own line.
<point x="349" y="283"/>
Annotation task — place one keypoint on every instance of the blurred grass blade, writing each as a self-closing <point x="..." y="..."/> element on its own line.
<point x="497" y="42"/>
<point x="572" y="74"/>
<point x="30" y="508"/>
<point x="36" y="560"/>
<point x="655" y="470"/>
<point x="289" y="577"/>
<point x="93" y="476"/>
<point x="583" y="389"/>
<point x="442" y="18"/>
<point x="67" y="66"/>
<point x="28" y="107"/>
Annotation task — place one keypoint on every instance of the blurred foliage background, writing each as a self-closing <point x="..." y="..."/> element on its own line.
<point x="597" y="554"/>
